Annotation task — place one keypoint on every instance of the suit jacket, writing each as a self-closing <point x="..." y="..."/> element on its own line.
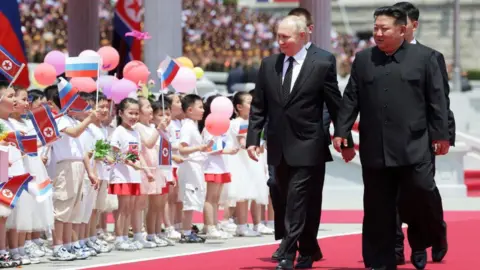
<point x="443" y="70"/>
<point x="295" y="126"/>
<point x="402" y="106"/>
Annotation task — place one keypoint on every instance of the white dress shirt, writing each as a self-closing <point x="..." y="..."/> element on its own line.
<point x="297" y="65"/>
<point x="414" y="41"/>
<point x="307" y="46"/>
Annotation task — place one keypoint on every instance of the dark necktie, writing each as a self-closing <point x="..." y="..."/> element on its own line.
<point x="287" y="81"/>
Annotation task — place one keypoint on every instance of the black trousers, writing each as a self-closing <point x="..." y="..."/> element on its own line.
<point x="300" y="194"/>
<point x="380" y="201"/>
<point x="439" y="227"/>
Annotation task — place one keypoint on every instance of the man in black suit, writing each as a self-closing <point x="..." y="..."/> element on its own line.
<point x="398" y="90"/>
<point x="291" y="90"/>
<point x="279" y="206"/>
<point x="440" y="244"/>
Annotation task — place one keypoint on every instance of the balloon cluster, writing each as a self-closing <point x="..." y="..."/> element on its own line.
<point x="217" y="122"/>
<point x="135" y="74"/>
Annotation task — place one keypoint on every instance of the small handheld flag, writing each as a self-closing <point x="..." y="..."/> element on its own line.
<point x="167" y="71"/>
<point x="218" y="144"/>
<point x="9" y="66"/>
<point x="67" y="94"/>
<point x="84" y="66"/>
<point x="13" y="189"/>
<point x="27" y="144"/>
<point x="165" y="153"/>
<point x="44" y="123"/>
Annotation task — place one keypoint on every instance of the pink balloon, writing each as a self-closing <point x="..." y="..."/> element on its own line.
<point x="222" y="106"/>
<point x="106" y="82"/>
<point x="110" y="57"/>
<point x="136" y="72"/>
<point x="121" y="89"/>
<point x="57" y="60"/>
<point x="45" y="74"/>
<point x="216" y="124"/>
<point x="84" y="84"/>
<point x="185" y="80"/>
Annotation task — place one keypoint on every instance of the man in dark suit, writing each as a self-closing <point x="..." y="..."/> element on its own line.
<point x="292" y="98"/>
<point x="440" y="244"/>
<point x="278" y="206"/>
<point x="398" y="90"/>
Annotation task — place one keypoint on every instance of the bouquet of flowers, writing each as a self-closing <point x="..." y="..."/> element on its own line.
<point x="132" y="155"/>
<point x="103" y="151"/>
<point x="146" y="92"/>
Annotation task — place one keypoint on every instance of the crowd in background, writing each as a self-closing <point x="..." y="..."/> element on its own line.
<point x="216" y="37"/>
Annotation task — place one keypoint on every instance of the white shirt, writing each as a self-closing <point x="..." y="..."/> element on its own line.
<point x="307" y="46"/>
<point x="125" y="140"/>
<point x="414" y="41"/>
<point x="14" y="155"/>
<point x="174" y="137"/>
<point x="215" y="163"/>
<point x="89" y="138"/>
<point x="67" y="148"/>
<point x="190" y="135"/>
<point x="297" y="65"/>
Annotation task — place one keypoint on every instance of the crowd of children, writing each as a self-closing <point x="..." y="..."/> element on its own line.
<point x="170" y="167"/>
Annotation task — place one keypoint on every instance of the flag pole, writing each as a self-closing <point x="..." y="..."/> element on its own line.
<point x="16" y="75"/>
<point x="162" y="93"/>
<point x="98" y="83"/>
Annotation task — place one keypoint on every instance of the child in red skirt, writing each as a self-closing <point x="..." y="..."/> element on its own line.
<point x="216" y="175"/>
<point x="126" y="177"/>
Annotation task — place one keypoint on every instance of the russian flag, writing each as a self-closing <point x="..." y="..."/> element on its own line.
<point x="85" y="66"/>
<point x="11" y="40"/>
<point x="67" y="93"/>
<point x="218" y="144"/>
<point x="40" y="191"/>
<point x="167" y="71"/>
<point x="13" y="189"/>
<point x="26" y="144"/>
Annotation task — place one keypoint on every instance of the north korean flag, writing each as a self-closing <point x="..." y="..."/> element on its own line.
<point x="27" y="144"/>
<point x="12" y="54"/>
<point x="13" y="189"/>
<point x="44" y="123"/>
<point x="165" y="153"/>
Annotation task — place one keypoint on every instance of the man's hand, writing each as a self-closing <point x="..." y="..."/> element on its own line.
<point x="348" y="154"/>
<point x="253" y="152"/>
<point x="441" y="147"/>
<point x="337" y="143"/>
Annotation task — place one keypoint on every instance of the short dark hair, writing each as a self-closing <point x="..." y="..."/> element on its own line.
<point x="189" y="100"/>
<point x="302" y="12"/>
<point x="158" y="106"/>
<point x="35" y="94"/>
<point x="51" y="93"/>
<point x="412" y="11"/>
<point x="398" y="14"/>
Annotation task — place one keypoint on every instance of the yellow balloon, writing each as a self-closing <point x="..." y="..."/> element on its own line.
<point x="198" y="72"/>
<point x="185" y="62"/>
<point x="36" y="84"/>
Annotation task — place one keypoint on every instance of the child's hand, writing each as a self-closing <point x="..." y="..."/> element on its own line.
<point x="243" y="144"/>
<point x="231" y="151"/>
<point x="177" y="159"/>
<point x="44" y="159"/>
<point x="262" y="149"/>
<point x="4" y="143"/>
<point x="163" y="124"/>
<point x="93" y="115"/>
<point x="150" y="177"/>
<point x="206" y="147"/>
<point x="94" y="181"/>
<point x="172" y="183"/>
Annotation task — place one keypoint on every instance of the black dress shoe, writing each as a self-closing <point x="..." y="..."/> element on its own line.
<point x="276" y="255"/>
<point x="306" y="262"/>
<point x="419" y="259"/>
<point x="285" y="265"/>
<point x="438" y="253"/>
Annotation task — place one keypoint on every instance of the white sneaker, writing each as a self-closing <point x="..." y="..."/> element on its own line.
<point x="43" y="247"/>
<point x="93" y="246"/>
<point x="227" y="226"/>
<point x="33" y="250"/>
<point x="262" y="229"/>
<point x="170" y="233"/>
<point x="62" y="255"/>
<point x="148" y="244"/>
<point x="246" y="232"/>
<point x="163" y="238"/>
<point x="124" y="246"/>
<point x="104" y="246"/>
<point x="213" y="233"/>
<point x="137" y="244"/>
<point x="33" y="260"/>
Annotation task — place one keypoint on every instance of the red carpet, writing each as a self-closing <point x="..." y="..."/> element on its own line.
<point x="350" y="216"/>
<point x="341" y="253"/>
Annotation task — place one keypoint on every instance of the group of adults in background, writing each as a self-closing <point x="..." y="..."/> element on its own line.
<point x="400" y="90"/>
